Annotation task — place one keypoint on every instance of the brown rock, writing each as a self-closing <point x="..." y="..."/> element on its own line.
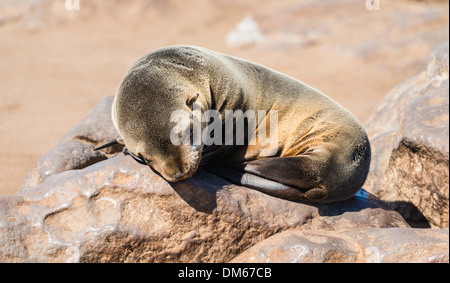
<point x="120" y="211"/>
<point x="409" y="133"/>
<point x="371" y="245"/>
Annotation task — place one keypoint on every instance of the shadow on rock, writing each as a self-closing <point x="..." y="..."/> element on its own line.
<point x="200" y="191"/>
<point x="360" y="201"/>
<point x="412" y="214"/>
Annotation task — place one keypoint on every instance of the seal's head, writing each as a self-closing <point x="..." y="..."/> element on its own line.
<point x="142" y="112"/>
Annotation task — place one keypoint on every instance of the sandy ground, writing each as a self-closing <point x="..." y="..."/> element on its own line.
<point x="56" y="65"/>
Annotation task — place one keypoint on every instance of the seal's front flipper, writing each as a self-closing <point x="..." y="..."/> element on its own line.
<point x="303" y="173"/>
<point x="258" y="183"/>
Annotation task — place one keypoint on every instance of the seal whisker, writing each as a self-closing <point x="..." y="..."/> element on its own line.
<point x="106" y="145"/>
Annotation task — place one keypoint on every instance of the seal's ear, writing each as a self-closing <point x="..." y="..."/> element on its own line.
<point x="191" y="100"/>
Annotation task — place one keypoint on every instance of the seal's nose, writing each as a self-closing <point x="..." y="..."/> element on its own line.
<point x="177" y="177"/>
<point x="172" y="171"/>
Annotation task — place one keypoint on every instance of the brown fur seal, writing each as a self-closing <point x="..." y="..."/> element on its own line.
<point x="323" y="153"/>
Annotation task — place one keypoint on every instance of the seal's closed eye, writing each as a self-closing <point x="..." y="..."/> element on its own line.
<point x="135" y="157"/>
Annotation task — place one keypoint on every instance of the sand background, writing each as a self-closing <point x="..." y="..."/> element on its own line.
<point x="56" y="65"/>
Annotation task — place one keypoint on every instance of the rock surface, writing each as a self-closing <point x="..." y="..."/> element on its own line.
<point x="120" y="211"/>
<point x="409" y="133"/>
<point x="374" y="245"/>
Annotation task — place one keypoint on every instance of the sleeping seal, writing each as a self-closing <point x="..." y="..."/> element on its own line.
<point x="322" y="153"/>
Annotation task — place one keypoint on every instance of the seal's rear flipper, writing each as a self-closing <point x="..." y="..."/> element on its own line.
<point x="109" y="144"/>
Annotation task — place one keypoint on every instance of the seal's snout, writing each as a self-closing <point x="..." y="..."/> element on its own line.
<point x="172" y="173"/>
<point x="177" y="177"/>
